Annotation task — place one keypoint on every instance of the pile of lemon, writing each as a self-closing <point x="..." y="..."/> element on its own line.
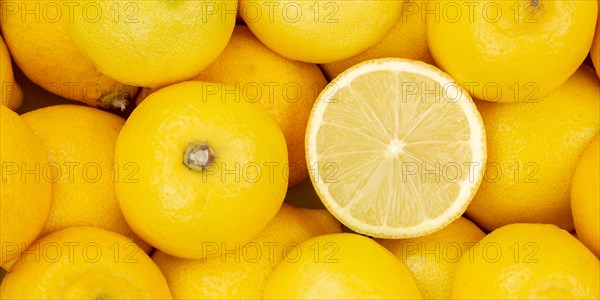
<point x="314" y="149"/>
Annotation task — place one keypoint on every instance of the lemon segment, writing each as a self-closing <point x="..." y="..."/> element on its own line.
<point x="396" y="148"/>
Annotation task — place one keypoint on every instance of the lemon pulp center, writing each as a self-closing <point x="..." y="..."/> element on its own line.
<point x="395" y="148"/>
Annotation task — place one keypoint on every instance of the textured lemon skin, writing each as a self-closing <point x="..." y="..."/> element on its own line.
<point x="176" y="209"/>
<point x="12" y="95"/>
<point x="408" y="39"/>
<point x="595" y="50"/>
<point x="341" y="266"/>
<point x="44" y="51"/>
<point x="520" y="53"/>
<point x="432" y="259"/>
<point x="84" y="263"/>
<point x="528" y="261"/>
<point x="532" y="152"/>
<point x="153" y="43"/>
<point x="25" y="195"/>
<point x="322" y="31"/>
<point x="585" y="197"/>
<point x="287" y="89"/>
<point x="244" y="275"/>
<point x="80" y="142"/>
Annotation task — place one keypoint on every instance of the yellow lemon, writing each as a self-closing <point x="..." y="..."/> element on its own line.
<point x="25" y="196"/>
<point x="510" y="51"/>
<point x="12" y="96"/>
<point x="341" y="266"/>
<point x="398" y="148"/>
<point x="80" y="142"/>
<point x="585" y="197"/>
<point x="286" y="88"/>
<point x="595" y="50"/>
<point x="84" y="263"/>
<point x="152" y="43"/>
<point x="532" y="152"/>
<point x="320" y="31"/>
<point x="40" y="45"/>
<point x="408" y="39"/>
<point x="242" y="270"/>
<point x="432" y="259"/>
<point x="208" y="168"/>
<point x="527" y="261"/>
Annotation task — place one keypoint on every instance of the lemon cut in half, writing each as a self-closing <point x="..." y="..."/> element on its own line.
<point x="396" y="148"/>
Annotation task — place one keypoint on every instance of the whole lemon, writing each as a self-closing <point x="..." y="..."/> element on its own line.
<point x="151" y="43"/>
<point x="532" y="152"/>
<point x="84" y="263"/>
<point x="24" y="195"/>
<point x="432" y="259"/>
<point x="12" y="96"/>
<point x="40" y="45"/>
<point x="320" y="31"/>
<point x="585" y="197"/>
<point x="341" y="266"/>
<point x="242" y="272"/>
<point x="205" y="167"/>
<point x="286" y="88"/>
<point x="510" y="51"/>
<point x="80" y="142"/>
<point x="408" y="39"/>
<point x="527" y="261"/>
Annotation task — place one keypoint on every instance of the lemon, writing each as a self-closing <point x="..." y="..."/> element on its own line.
<point x="341" y="266"/>
<point x="43" y="50"/>
<point x="585" y="197"/>
<point x="432" y="259"/>
<point x="152" y="43"/>
<point x="510" y="51"/>
<point x="242" y="272"/>
<point x="532" y="152"/>
<point x="408" y="39"/>
<point x="320" y="31"/>
<point x="25" y="197"/>
<point x="207" y="168"/>
<point x="595" y="50"/>
<point x="80" y="142"/>
<point x="398" y="148"/>
<point x="528" y="261"/>
<point x="12" y="96"/>
<point x="84" y="263"/>
<point x="286" y="88"/>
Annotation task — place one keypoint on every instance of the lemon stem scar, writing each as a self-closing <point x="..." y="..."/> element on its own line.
<point x="114" y="100"/>
<point x="534" y="2"/>
<point x="198" y="156"/>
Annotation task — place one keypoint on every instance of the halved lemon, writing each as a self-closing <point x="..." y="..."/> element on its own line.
<point x="396" y="148"/>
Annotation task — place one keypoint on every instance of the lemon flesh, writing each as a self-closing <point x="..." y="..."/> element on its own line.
<point x="396" y="148"/>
